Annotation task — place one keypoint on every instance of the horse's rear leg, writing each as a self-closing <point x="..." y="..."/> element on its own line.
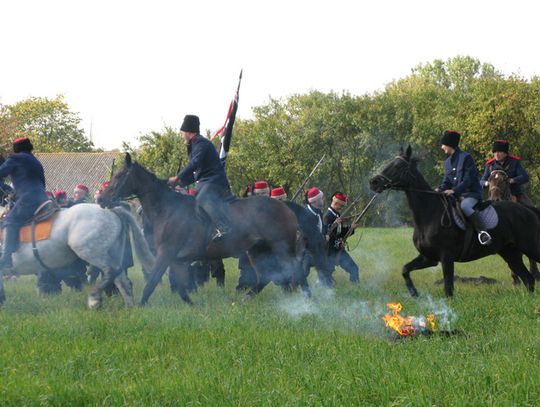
<point x="514" y="259"/>
<point x="419" y="262"/>
<point x="95" y="297"/>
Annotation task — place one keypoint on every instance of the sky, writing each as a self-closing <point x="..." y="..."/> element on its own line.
<point x="130" y="67"/>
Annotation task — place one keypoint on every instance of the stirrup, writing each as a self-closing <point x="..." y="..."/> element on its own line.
<point x="218" y="236"/>
<point x="484" y="238"/>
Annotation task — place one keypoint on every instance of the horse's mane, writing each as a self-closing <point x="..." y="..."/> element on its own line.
<point x="161" y="187"/>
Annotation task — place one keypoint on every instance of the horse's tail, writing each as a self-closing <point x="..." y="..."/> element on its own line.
<point x="141" y="247"/>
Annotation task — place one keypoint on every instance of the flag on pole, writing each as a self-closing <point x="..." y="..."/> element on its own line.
<point x="226" y="131"/>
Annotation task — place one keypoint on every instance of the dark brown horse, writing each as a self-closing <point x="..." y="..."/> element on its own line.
<point x="499" y="190"/>
<point x="262" y="227"/>
<point x="517" y="232"/>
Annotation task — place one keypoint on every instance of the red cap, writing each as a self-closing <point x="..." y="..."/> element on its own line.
<point x="340" y="198"/>
<point x="20" y="140"/>
<point x="82" y="187"/>
<point x="278" y="193"/>
<point x="59" y="193"/>
<point x="261" y="188"/>
<point x="260" y="185"/>
<point x="313" y="194"/>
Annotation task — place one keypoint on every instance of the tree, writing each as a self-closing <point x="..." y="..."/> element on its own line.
<point x="49" y="123"/>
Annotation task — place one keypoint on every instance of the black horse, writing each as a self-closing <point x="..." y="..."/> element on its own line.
<point x="517" y="233"/>
<point x="263" y="227"/>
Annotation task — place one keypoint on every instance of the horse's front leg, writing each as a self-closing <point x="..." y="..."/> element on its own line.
<point x="155" y="277"/>
<point x="419" y="262"/>
<point x="2" y="292"/>
<point x="534" y="269"/>
<point x="125" y="287"/>
<point x="448" y="275"/>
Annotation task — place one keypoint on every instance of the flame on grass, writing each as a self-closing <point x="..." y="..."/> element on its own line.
<point x="408" y="326"/>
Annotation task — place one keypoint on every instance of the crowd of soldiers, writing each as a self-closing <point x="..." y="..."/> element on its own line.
<point x="206" y="171"/>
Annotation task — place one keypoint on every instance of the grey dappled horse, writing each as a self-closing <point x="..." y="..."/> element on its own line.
<point x="92" y="234"/>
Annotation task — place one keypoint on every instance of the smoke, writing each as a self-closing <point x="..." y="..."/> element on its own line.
<point x="359" y="316"/>
<point x="445" y="316"/>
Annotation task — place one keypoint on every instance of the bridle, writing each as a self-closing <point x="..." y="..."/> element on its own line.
<point x="446" y="220"/>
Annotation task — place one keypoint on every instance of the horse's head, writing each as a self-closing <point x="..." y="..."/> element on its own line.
<point x="396" y="174"/>
<point x="499" y="185"/>
<point x="122" y="185"/>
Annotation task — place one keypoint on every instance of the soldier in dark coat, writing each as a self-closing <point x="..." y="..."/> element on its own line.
<point x="461" y="181"/>
<point x="511" y="165"/>
<point x="337" y="255"/>
<point x="207" y="171"/>
<point x="314" y="204"/>
<point x="80" y="195"/>
<point x="28" y="179"/>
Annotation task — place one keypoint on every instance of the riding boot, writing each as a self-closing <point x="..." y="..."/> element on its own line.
<point x="11" y="241"/>
<point x="483" y="237"/>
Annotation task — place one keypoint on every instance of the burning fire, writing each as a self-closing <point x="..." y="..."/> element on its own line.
<point x="408" y="326"/>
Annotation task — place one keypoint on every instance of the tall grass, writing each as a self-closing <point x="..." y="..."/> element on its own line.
<point x="279" y="348"/>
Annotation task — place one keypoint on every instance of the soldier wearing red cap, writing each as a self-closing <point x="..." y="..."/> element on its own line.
<point x="80" y="195"/>
<point x="60" y="197"/>
<point x="315" y="204"/>
<point x="261" y="188"/>
<point x="511" y="165"/>
<point x="337" y="255"/>
<point x="28" y="180"/>
<point x="279" y="194"/>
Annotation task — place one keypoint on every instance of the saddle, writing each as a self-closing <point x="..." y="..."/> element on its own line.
<point x="487" y="214"/>
<point x="38" y="227"/>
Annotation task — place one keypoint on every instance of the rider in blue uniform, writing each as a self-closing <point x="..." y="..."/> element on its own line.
<point x="461" y="181"/>
<point x="28" y="179"/>
<point x="510" y="164"/>
<point x="206" y="170"/>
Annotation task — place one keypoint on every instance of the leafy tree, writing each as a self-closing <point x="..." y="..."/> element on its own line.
<point x="48" y="122"/>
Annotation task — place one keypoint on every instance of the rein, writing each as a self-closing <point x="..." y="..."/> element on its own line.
<point x="446" y="218"/>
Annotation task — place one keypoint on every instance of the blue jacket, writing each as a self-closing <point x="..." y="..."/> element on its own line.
<point x="461" y="175"/>
<point x="28" y="179"/>
<point x="512" y="166"/>
<point x="204" y="164"/>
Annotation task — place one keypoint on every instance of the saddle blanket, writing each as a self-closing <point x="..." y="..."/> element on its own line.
<point x="43" y="231"/>
<point x="488" y="217"/>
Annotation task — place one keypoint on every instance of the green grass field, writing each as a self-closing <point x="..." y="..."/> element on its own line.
<point x="279" y="348"/>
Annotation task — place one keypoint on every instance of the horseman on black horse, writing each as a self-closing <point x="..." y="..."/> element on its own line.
<point x="511" y="166"/>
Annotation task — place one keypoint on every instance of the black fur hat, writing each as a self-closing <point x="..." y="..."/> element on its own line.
<point x="501" y="145"/>
<point x="191" y="124"/>
<point x="450" y="138"/>
<point x="22" y="144"/>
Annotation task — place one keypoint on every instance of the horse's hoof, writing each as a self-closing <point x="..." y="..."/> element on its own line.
<point x="94" y="301"/>
<point x="413" y="292"/>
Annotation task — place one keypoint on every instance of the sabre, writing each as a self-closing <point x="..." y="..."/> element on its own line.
<point x="307" y="179"/>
